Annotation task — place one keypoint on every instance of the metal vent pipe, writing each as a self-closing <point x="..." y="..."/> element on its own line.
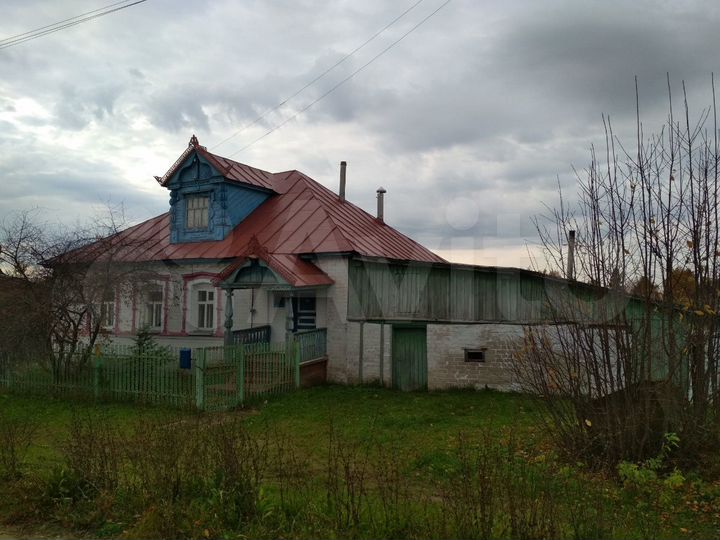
<point x="343" y="172"/>
<point x="381" y="191"/>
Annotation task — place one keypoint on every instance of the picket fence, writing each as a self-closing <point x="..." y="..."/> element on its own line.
<point x="219" y="377"/>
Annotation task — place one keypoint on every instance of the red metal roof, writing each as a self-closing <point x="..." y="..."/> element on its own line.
<point x="301" y="217"/>
<point x="294" y="270"/>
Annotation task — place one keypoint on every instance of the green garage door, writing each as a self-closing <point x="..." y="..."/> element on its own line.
<point x="409" y="358"/>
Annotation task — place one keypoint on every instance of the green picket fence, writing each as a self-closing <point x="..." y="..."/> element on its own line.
<point x="220" y="377"/>
<point x="144" y="378"/>
<point x="234" y="374"/>
<point x="36" y="379"/>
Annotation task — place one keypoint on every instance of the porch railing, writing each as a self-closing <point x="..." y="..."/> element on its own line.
<point x="259" y="334"/>
<point x="311" y="343"/>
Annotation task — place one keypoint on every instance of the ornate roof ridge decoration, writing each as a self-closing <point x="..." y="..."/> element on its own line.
<point x="228" y="168"/>
<point x="255" y="249"/>
<point x="193" y="145"/>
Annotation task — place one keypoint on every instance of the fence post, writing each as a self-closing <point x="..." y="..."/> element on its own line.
<point x="296" y="355"/>
<point x="240" y="374"/>
<point x="97" y="367"/>
<point x="200" y="380"/>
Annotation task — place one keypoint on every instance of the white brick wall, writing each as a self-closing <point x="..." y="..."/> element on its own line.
<point x="175" y="303"/>
<point x="446" y="355"/>
<point x="371" y="353"/>
<point x="335" y="316"/>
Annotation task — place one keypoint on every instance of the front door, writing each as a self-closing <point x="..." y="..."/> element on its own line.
<point x="304" y="313"/>
<point x="409" y="357"/>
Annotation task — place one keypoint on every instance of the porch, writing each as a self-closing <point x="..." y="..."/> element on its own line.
<point x="289" y="301"/>
<point x="311" y="347"/>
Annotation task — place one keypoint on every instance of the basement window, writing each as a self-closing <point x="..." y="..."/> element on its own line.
<point x="475" y="355"/>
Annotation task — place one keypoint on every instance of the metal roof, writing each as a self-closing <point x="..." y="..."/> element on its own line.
<point x="302" y="217"/>
<point x="294" y="270"/>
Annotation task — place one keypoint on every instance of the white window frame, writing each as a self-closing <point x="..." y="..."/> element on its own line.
<point x="209" y="306"/>
<point x="197" y="211"/>
<point x="106" y="311"/>
<point x="152" y="311"/>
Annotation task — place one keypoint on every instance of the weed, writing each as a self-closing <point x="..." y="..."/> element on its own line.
<point x="346" y="481"/>
<point x="16" y="434"/>
<point x="238" y="462"/>
<point x="93" y="452"/>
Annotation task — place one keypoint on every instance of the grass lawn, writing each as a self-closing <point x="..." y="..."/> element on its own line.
<point x="429" y="422"/>
<point x="366" y="462"/>
<point x="51" y="419"/>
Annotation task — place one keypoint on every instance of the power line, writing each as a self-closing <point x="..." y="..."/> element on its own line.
<point x="66" y="23"/>
<point x="64" y="20"/>
<point x="343" y="81"/>
<point x="316" y="79"/>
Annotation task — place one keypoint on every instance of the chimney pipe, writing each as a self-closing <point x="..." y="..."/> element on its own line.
<point x="343" y="169"/>
<point x="381" y="191"/>
<point x="571" y="255"/>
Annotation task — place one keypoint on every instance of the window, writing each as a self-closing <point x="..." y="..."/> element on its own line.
<point x="197" y="212"/>
<point x="475" y="355"/>
<point x="107" y="310"/>
<point x="205" y="309"/>
<point x="153" y="314"/>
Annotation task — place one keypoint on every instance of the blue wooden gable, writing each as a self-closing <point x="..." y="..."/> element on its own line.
<point x="228" y="203"/>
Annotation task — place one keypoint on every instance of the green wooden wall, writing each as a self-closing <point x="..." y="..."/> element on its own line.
<point x="381" y="291"/>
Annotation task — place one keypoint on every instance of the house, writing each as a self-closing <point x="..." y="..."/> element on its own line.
<point x="248" y="255"/>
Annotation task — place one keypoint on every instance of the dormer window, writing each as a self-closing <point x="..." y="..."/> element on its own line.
<point x="197" y="212"/>
<point x="209" y="197"/>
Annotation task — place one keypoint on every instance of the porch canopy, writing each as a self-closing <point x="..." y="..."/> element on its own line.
<point x="287" y="273"/>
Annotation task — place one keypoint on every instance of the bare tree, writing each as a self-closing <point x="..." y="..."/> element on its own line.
<point x="640" y="357"/>
<point x="63" y="283"/>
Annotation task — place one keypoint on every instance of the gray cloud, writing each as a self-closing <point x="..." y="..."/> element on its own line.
<point x="483" y="109"/>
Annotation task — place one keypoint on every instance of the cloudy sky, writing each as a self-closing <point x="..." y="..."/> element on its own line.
<point x="469" y="121"/>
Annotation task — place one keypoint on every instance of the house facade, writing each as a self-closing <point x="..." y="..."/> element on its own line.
<point x="246" y="255"/>
<point x="243" y="254"/>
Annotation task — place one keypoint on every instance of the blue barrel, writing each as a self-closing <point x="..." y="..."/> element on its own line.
<point x="185" y="358"/>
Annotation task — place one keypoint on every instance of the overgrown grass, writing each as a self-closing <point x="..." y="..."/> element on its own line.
<point x="338" y="462"/>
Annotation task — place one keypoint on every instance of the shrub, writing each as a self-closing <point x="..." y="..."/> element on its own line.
<point x="93" y="452"/>
<point x="144" y="344"/>
<point x="15" y="438"/>
<point x="651" y="492"/>
<point x="237" y="463"/>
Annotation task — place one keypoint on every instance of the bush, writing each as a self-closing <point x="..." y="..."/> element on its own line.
<point x="15" y="438"/>
<point x="93" y="452"/>
<point x="144" y="344"/>
<point x="649" y="490"/>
